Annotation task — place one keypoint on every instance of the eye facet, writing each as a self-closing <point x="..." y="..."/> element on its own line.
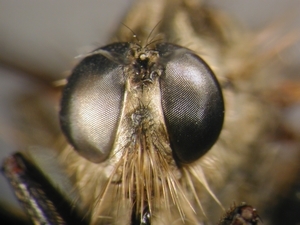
<point x="192" y="102"/>
<point x="92" y="102"/>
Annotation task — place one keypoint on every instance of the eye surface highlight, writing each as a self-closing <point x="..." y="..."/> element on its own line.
<point x="91" y="103"/>
<point x="192" y="102"/>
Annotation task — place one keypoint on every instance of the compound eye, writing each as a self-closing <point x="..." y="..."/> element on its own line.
<point x="92" y="101"/>
<point x="192" y="102"/>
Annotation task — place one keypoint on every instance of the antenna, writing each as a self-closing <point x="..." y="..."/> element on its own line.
<point x="134" y="34"/>
<point x="152" y="32"/>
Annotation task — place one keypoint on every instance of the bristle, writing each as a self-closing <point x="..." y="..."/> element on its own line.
<point x="191" y="186"/>
<point x="197" y="172"/>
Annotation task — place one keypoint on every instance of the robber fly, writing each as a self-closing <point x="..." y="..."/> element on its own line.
<point x="172" y="123"/>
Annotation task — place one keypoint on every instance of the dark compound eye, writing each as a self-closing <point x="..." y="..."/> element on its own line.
<point x="192" y="102"/>
<point x="191" y="99"/>
<point x="92" y="102"/>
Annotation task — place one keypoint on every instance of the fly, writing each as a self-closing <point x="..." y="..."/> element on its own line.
<point x="155" y="131"/>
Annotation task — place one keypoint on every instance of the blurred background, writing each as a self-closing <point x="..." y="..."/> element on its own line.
<point x="40" y="39"/>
